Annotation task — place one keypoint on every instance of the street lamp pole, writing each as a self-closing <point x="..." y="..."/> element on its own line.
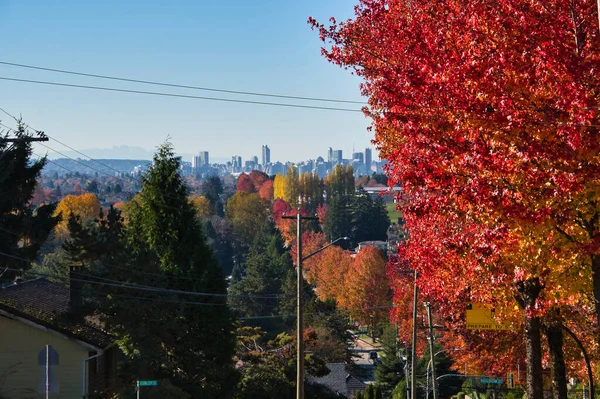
<point x="299" y="300"/>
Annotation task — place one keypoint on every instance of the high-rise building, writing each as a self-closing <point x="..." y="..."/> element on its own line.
<point x="337" y="157"/>
<point x="368" y="160"/>
<point x="330" y="155"/>
<point x="358" y="156"/>
<point x="266" y="155"/>
<point x="236" y="163"/>
<point x="204" y="161"/>
<point x="195" y="162"/>
<point x="255" y="160"/>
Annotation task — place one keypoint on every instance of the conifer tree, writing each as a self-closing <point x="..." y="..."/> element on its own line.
<point x="24" y="227"/>
<point x="187" y="339"/>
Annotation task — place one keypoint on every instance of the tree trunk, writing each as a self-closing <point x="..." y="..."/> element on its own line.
<point x="554" y="334"/>
<point x="596" y="283"/>
<point x="529" y="291"/>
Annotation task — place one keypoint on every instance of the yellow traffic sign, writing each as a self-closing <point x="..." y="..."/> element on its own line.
<point x="482" y="318"/>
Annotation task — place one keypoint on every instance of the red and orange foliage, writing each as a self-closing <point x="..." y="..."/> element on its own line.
<point x="253" y="182"/>
<point x="367" y="294"/>
<point x="245" y="183"/>
<point x="266" y="190"/>
<point x="258" y="178"/>
<point x="311" y="242"/>
<point x="287" y="227"/>
<point x="487" y="117"/>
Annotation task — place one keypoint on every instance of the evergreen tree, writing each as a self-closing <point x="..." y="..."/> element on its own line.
<point x="267" y="267"/>
<point x="212" y="188"/>
<point x="389" y="371"/>
<point x="370" y="392"/>
<point x="186" y="339"/>
<point x="337" y="222"/>
<point x="370" y="220"/>
<point x="24" y="227"/>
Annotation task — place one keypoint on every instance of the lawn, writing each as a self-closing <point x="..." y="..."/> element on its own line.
<point x="392" y="212"/>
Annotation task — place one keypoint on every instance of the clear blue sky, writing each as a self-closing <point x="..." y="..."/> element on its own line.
<point x="259" y="46"/>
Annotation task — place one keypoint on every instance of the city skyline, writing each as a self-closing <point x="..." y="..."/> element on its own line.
<point x="264" y="48"/>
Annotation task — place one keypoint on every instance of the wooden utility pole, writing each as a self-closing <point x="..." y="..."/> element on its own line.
<point x="300" y="306"/>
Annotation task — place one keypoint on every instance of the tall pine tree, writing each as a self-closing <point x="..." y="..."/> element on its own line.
<point x="187" y="339"/>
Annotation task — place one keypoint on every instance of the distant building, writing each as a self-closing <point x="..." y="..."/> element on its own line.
<point x="329" y="155"/>
<point x="255" y="160"/>
<point x="236" y="163"/>
<point x="204" y="160"/>
<point x="266" y="155"/>
<point x="368" y="160"/>
<point x="358" y="156"/>
<point x="337" y="157"/>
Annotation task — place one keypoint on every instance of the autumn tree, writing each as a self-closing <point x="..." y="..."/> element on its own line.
<point x="266" y="191"/>
<point x="202" y="205"/>
<point x="508" y="142"/>
<point x="23" y="227"/>
<point x="245" y="183"/>
<point x="250" y="216"/>
<point x="279" y="187"/>
<point x="86" y="206"/>
<point x="292" y="186"/>
<point x="367" y="294"/>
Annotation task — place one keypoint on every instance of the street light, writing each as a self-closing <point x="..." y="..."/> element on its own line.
<point x="300" y="290"/>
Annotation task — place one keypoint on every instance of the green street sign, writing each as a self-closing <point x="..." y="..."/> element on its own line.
<point x="490" y="381"/>
<point x="148" y="383"/>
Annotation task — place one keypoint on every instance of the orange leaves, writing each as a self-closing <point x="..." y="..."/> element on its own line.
<point x="85" y="206"/>
<point x="358" y="283"/>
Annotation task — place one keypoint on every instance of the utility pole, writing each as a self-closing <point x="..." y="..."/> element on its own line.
<point x="432" y="354"/>
<point x="300" y="306"/>
<point x="413" y="359"/>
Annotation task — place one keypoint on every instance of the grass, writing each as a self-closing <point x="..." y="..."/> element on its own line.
<point x="392" y="212"/>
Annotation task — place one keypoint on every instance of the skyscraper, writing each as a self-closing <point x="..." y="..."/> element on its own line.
<point x="337" y="157"/>
<point x="368" y="160"/>
<point x="204" y="161"/>
<point x="330" y="155"/>
<point x="266" y="155"/>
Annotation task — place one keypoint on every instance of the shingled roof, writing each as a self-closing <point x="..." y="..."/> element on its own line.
<point x="41" y="301"/>
<point x="339" y="381"/>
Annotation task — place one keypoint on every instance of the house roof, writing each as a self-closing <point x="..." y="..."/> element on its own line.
<point x="40" y="301"/>
<point x="338" y="380"/>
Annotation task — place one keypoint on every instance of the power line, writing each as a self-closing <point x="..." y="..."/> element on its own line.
<point x="159" y="290"/>
<point x="155" y="93"/>
<point x="155" y="83"/>
<point x="269" y="296"/>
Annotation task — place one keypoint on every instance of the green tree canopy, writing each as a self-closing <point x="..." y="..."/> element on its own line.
<point x="24" y="228"/>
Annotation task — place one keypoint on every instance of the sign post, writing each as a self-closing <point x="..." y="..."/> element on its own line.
<point x="145" y="383"/>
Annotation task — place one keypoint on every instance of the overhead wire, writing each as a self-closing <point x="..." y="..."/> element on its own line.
<point x="175" y="95"/>
<point x="266" y="296"/>
<point x="156" y="83"/>
<point x="160" y="290"/>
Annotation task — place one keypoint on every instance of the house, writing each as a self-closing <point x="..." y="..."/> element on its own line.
<point x="339" y="381"/>
<point x="35" y="330"/>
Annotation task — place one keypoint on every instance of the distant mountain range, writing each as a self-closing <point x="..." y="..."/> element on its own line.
<point x="122" y="152"/>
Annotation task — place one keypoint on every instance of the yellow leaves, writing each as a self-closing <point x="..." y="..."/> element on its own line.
<point x="85" y="206"/>
<point x="279" y="187"/>
<point x="202" y="206"/>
